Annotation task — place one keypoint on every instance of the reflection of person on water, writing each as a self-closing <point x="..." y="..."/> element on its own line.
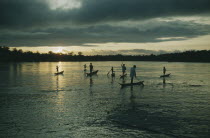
<point x="123" y="69"/>
<point x="164" y="80"/>
<point x="133" y="73"/>
<point x="132" y="99"/>
<point x="91" y="67"/>
<point x="164" y="70"/>
<point x="91" y="84"/>
<point x="57" y="86"/>
<point x="85" y="67"/>
<point x="57" y="68"/>
<point x="91" y="81"/>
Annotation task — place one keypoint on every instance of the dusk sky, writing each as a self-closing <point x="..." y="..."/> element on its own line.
<point x="105" y="26"/>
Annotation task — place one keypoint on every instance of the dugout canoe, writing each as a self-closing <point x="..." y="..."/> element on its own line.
<point x="58" y="73"/>
<point x="132" y="84"/>
<point x="166" y="75"/>
<point x="92" y="73"/>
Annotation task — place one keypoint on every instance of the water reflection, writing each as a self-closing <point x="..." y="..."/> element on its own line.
<point x="91" y="81"/>
<point x="123" y="80"/>
<point x="60" y="95"/>
<point x="164" y="82"/>
<point x="112" y="79"/>
<point x="57" y="83"/>
<point x="16" y="71"/>
<point x="91" y="85"/>
<point x="68" y="99"/>
<point x="132" y="98"/>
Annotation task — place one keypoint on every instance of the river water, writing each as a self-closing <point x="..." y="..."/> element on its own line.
<point x="36" y="103"/>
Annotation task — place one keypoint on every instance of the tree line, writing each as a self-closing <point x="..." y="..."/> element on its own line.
<point x="17" y="55"/>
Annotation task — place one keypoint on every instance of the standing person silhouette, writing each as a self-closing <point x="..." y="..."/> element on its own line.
<point x="123" y="69"/>
<point x="164" y="70"/>
<point x="57" y="68"/>
<point x="133" y="73"/>
<point x="91" y="67"/>
<point x="113" y="72"/>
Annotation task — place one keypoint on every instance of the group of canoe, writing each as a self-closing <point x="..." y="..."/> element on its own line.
<point x="113" y="74"/>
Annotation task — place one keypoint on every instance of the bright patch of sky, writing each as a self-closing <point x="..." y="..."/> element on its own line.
<point x="64" y="4"/>
<point x="195" y="19"/>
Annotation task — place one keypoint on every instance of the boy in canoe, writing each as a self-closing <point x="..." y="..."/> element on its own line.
<point x="133" y="73"/>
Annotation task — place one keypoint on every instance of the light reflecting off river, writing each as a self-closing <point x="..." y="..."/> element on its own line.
<point x="36" y="103"/>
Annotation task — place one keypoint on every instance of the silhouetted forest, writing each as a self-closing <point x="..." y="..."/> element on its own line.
<point x="17" y="55"/>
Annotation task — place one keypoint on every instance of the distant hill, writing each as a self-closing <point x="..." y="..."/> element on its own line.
<point x="15" y="55"/>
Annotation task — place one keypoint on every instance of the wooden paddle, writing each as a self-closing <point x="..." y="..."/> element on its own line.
<point x="108" y="73"/>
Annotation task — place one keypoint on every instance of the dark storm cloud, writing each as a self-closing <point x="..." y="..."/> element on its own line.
<point x="112" y="10"/>
<point x="130" y="52"/>
<point x="22" y="13"/>
<point x="28" y="13"/>
<point x="105" y="33"/>
<point x="143" y="51"/>
<point x="34" y="23"/>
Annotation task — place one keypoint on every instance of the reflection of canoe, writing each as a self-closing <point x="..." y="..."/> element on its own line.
<point x="58" y="73"/>
<point x="166" y="75"/>
<point x="92" y="73"/>
<point x="131" y="84"/>
<point x="113" y="75"/>
<point x="123" y="76"/>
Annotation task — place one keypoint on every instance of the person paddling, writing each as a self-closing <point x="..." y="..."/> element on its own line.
<point x="164" y="70"/>
<point x="112" y="69"/>
<point x="113" y="72"/>
<point x="57" y="68"/>
<point x="133" y="73"/>
<point x="91" y="67"/>
<point x="123" y="69"/>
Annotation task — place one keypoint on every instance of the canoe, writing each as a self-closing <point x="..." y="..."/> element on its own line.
<point x="58" y="73"/>
<point x="166" y="75"/>
<point x="123" y="76"/>
<point x="92" y="73"/>
<point x="132" y="84"/>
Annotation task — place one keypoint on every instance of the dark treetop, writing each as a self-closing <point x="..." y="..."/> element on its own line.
<point x="15" y="55"/>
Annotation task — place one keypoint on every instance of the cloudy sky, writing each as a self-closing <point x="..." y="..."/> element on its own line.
<point x="105" y="26"/>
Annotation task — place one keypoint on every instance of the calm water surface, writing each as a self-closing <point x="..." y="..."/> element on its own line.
<point x="36" y="103"/>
